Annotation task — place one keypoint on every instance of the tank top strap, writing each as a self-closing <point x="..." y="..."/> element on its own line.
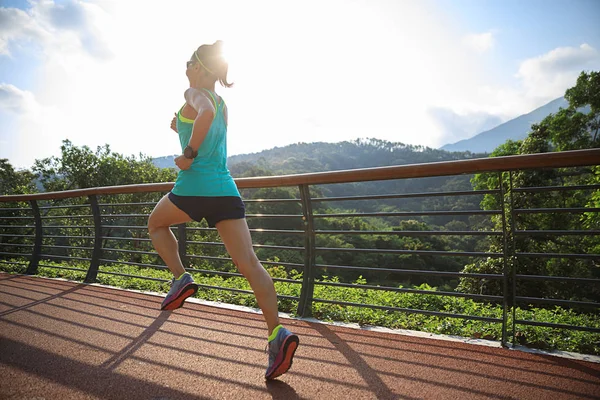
<point x="214" y="101"/>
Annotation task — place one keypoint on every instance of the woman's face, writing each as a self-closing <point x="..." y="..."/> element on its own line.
<point x="190" y="66"/>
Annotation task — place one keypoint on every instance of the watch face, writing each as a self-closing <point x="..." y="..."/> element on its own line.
<point x="188" y="152"/>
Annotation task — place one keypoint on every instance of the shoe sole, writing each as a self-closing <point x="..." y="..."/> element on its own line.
<point x="289" y="348"/>
<point x="177" y="302"/>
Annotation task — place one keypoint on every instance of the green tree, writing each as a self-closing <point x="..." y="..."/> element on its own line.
<point x="586" y="91"/>
<point x="569" y="129"/>
<point x="15" y="182"/>
<point x="577" y="126"/>
<point x="80" y="167"/>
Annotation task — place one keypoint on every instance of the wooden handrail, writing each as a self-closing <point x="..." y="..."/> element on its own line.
<point x="573" y="158"/>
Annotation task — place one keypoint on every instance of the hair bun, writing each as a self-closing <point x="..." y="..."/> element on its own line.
<point x="218" y="46"/>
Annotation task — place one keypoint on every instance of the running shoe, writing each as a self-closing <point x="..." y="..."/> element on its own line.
<point x="281" y="353"/>
<point x="181" y="289"/>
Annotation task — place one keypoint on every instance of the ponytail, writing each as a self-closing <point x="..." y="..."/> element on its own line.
<point x="212" y="56"/>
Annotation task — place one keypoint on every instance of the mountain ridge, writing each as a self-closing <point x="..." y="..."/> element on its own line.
<point x="515" y="129"/>
<point x="325" y="156"/>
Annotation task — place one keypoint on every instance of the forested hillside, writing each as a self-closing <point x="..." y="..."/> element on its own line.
<point x="361" y="153"/>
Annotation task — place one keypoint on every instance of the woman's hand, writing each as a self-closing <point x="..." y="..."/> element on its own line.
<point x="174" y="123"/>
<point x="183" y="163"/>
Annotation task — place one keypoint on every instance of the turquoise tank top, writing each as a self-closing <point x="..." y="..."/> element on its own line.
<point x="208" y="175"/>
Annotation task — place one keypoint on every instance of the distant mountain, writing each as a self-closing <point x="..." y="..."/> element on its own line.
<point x="165" y="162"/>
<point x="515" y="129"/>
<point x="319" y="156"/>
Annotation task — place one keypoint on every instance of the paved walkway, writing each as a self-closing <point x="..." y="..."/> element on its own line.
<point x="61" y="340"/>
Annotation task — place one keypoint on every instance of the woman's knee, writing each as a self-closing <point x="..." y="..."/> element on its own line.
<point x="154" y="224"/>
<point x="247" y="262"/>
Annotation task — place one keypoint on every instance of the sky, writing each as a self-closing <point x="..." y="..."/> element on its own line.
<point x="420" y="72"/>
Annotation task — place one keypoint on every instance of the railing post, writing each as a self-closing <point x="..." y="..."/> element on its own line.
<point x="513" y="251"/>
<point x="97" y="252"/>
<point x="182" y="244"/>
<point x="506" y="257"/>
<point x="37" y="245"/>
<point x="308" y="279"/>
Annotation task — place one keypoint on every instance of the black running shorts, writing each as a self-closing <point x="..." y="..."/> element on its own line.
<point x="213" y="209"/>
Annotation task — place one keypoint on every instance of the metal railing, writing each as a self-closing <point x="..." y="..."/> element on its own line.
<point x="33" y="229"/>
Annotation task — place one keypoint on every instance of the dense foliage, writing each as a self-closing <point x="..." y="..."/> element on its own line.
<point x="80" y="167"/>
<point x="13" y="181"/>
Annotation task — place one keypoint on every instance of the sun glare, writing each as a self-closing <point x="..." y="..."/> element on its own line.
<point x="235" y="54"/>
<point x="228" y="52"/>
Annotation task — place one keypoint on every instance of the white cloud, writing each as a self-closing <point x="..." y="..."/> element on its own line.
<point x="69" y="41"/>
<point x="69" y="26"/>
<point x="16" y="100"/>
<point x="15" y="25"/>
<point x="457" y="126"/>
<point x="27" y="132"/>
<point x="480" y="42"/>
<point x="549" y="75"/>
<point x="538" y="80"/>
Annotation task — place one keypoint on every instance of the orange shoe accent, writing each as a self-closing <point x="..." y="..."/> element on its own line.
<point x="289" y="347"/>
<point x="178" y="302"/>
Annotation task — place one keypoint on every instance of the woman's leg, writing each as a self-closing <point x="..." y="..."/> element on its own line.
<point x="164" y="215"/>
<point x="236" y="237"/>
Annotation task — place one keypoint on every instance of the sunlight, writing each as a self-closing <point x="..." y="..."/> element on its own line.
<point x="241" y="55"/>
<point x="233" y="53"/>
<point x="229" y="53"/>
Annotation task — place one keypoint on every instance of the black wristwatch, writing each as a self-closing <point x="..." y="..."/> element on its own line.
<point x="188" y="152"/>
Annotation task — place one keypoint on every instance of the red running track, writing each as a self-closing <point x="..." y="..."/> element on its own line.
<point x="66" y="340"/>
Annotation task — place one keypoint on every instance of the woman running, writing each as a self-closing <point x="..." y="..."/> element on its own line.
<point x="204" y="189"/>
